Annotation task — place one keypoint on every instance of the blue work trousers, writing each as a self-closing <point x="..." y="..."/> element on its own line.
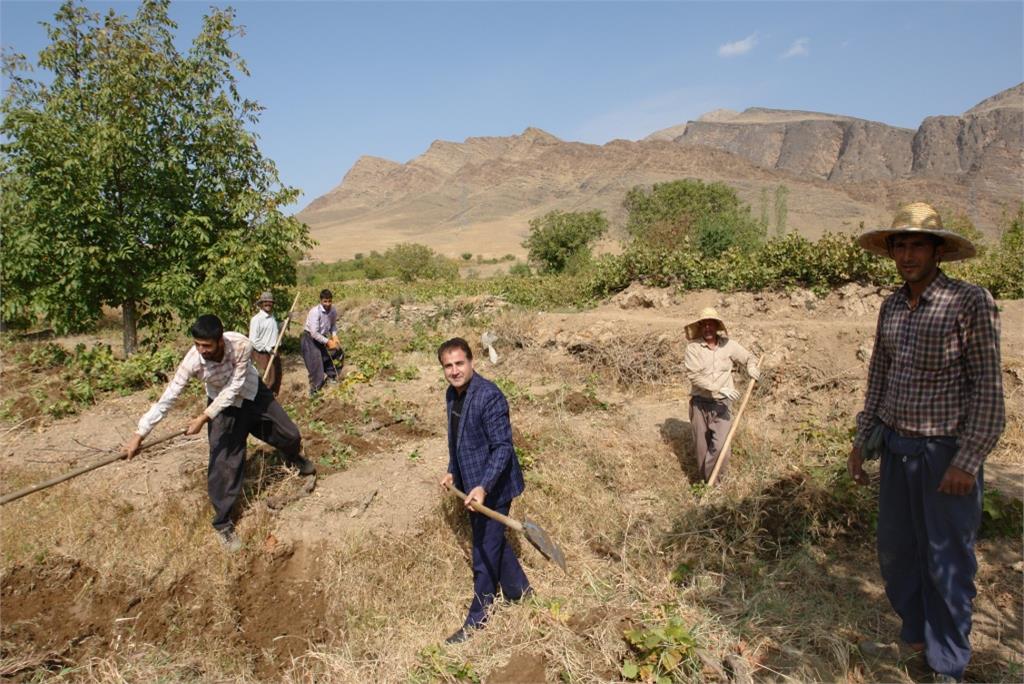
<point x="926" y="548"/>
<point x="494" y="565"/>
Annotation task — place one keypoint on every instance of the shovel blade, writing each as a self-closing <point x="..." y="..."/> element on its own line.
<point x="541" y="541"/>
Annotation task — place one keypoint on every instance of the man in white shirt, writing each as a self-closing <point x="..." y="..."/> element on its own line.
<point x="319" y="342"/>
<point x="238" y="405"/>
<point x="708" y="359"/>
<point x="263" y="332"/>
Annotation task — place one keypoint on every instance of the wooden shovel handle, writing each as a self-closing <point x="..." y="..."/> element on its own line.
<point x="724" y="451"/>
<point x="116" y="456"/>
<point x="493" y="515"/>
<point x="280" y="336"/>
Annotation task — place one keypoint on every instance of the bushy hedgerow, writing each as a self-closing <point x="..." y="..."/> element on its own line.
<point x="406" y="261"/>
<point x="786" y="261"/>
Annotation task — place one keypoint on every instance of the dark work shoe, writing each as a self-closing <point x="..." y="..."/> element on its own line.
<point x="229" y="540"/>
<point x="303" y="465"/>
<point x="462" y="634"/>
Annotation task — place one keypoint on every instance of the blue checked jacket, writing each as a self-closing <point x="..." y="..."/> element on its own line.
<point x="485" y="456"/>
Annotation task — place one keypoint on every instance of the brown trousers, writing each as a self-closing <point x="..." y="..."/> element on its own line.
<point x="710" y="420"/>
<point x="273" y="380"/>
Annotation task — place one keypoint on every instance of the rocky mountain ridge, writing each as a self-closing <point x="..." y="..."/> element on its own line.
<point x="478" y="195"/>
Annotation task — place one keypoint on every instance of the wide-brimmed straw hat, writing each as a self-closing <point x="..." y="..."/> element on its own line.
<point x="266" y="297"/>
<point x="693" y="331"/>
<point x="918" y="218"/>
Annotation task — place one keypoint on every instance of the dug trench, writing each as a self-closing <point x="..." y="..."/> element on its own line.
<point x="62" y="612"/>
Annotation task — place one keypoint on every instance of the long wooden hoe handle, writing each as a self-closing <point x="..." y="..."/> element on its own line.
<point x="724" y="451"/>
<point x="493" y="515"/>
<point x="280" y="336"/>
<point x="116" y="456"/>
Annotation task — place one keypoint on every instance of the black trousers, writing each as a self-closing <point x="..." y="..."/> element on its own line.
<point x="264" y="419"/>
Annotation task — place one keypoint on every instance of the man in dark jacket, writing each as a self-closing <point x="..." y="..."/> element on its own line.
<point x="482" y="463"/>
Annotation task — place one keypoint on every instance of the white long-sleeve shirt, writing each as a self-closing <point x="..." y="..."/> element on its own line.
<point x="228" y="381"/>
<point x="322" y="324"/>
<point x="263" y="331"/>
<point x="710" y="370"/>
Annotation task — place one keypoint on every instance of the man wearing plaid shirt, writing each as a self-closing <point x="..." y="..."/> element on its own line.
<point x="238" y="404"/>
<point x="933" y="412"/>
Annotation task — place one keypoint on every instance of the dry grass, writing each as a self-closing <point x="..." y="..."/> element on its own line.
<point x="776" y="567"/>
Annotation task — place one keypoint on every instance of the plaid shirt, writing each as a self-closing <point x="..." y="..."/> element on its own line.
<point x="935" y="369"/>
<point x="228" y="381"/>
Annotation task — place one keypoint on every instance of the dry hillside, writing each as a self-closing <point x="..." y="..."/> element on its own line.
<point x="116" y="576"/>
<point x="478" y="195"/>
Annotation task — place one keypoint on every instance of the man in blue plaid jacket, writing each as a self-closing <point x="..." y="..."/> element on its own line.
<point x="482" y="463"/>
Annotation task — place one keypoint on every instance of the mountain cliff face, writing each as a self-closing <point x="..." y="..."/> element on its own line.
<point x="479" y="195"/>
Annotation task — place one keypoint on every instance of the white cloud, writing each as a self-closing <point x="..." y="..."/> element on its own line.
<point x="739" y="47"/>
<point x="797" y="49"/>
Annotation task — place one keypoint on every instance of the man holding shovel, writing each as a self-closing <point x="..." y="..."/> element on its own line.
<point x="933" y="411"/>
<point x="483" y="463"/>
<point x="238" y="404"/>
<point x="263" y="333"/>
<point x="709" y="358"/>
<point x="319" y="342"/>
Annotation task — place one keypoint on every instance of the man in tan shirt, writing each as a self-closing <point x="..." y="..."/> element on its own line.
<point x="709" y="360"/>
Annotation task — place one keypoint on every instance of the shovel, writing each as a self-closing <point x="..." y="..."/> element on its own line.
<point x="535" y="534"/>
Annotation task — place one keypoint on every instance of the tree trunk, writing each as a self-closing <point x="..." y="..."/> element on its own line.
<point x="131" y="332"/>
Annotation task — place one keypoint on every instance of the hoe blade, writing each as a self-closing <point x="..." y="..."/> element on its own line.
<point x="541" y="541"/>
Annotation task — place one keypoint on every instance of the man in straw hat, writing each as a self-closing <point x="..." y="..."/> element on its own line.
<point x="933" y="411"/>
<point x="709" y="358"/>
<point x="263" y="332"/>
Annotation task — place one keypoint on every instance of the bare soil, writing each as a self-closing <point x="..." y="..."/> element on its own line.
<point x="121" y="560"/>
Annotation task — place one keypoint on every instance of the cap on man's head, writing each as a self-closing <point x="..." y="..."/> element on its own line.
<point x="918" y="218"/>
<point x="267" y="296"/>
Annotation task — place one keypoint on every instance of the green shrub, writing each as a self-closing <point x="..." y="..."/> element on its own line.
<point x="709" y="215"/>
<point x="999" y="269"/>
<point x="520" y="270"/>
<point x="560" y="240"/>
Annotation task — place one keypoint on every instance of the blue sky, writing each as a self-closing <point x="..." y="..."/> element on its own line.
<point x="344" y="79"/>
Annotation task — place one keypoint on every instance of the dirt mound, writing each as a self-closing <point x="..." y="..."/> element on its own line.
<point x="64" y="611"/>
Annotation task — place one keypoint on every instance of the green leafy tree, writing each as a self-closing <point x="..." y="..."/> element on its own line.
<point x="129" y="177"/>
<point x="561" y="240"/>
<point x="688" y="212"/>
<point x="411" y="261"/>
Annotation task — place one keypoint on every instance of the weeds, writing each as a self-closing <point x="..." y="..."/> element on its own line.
<point x="661" y="653"/>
